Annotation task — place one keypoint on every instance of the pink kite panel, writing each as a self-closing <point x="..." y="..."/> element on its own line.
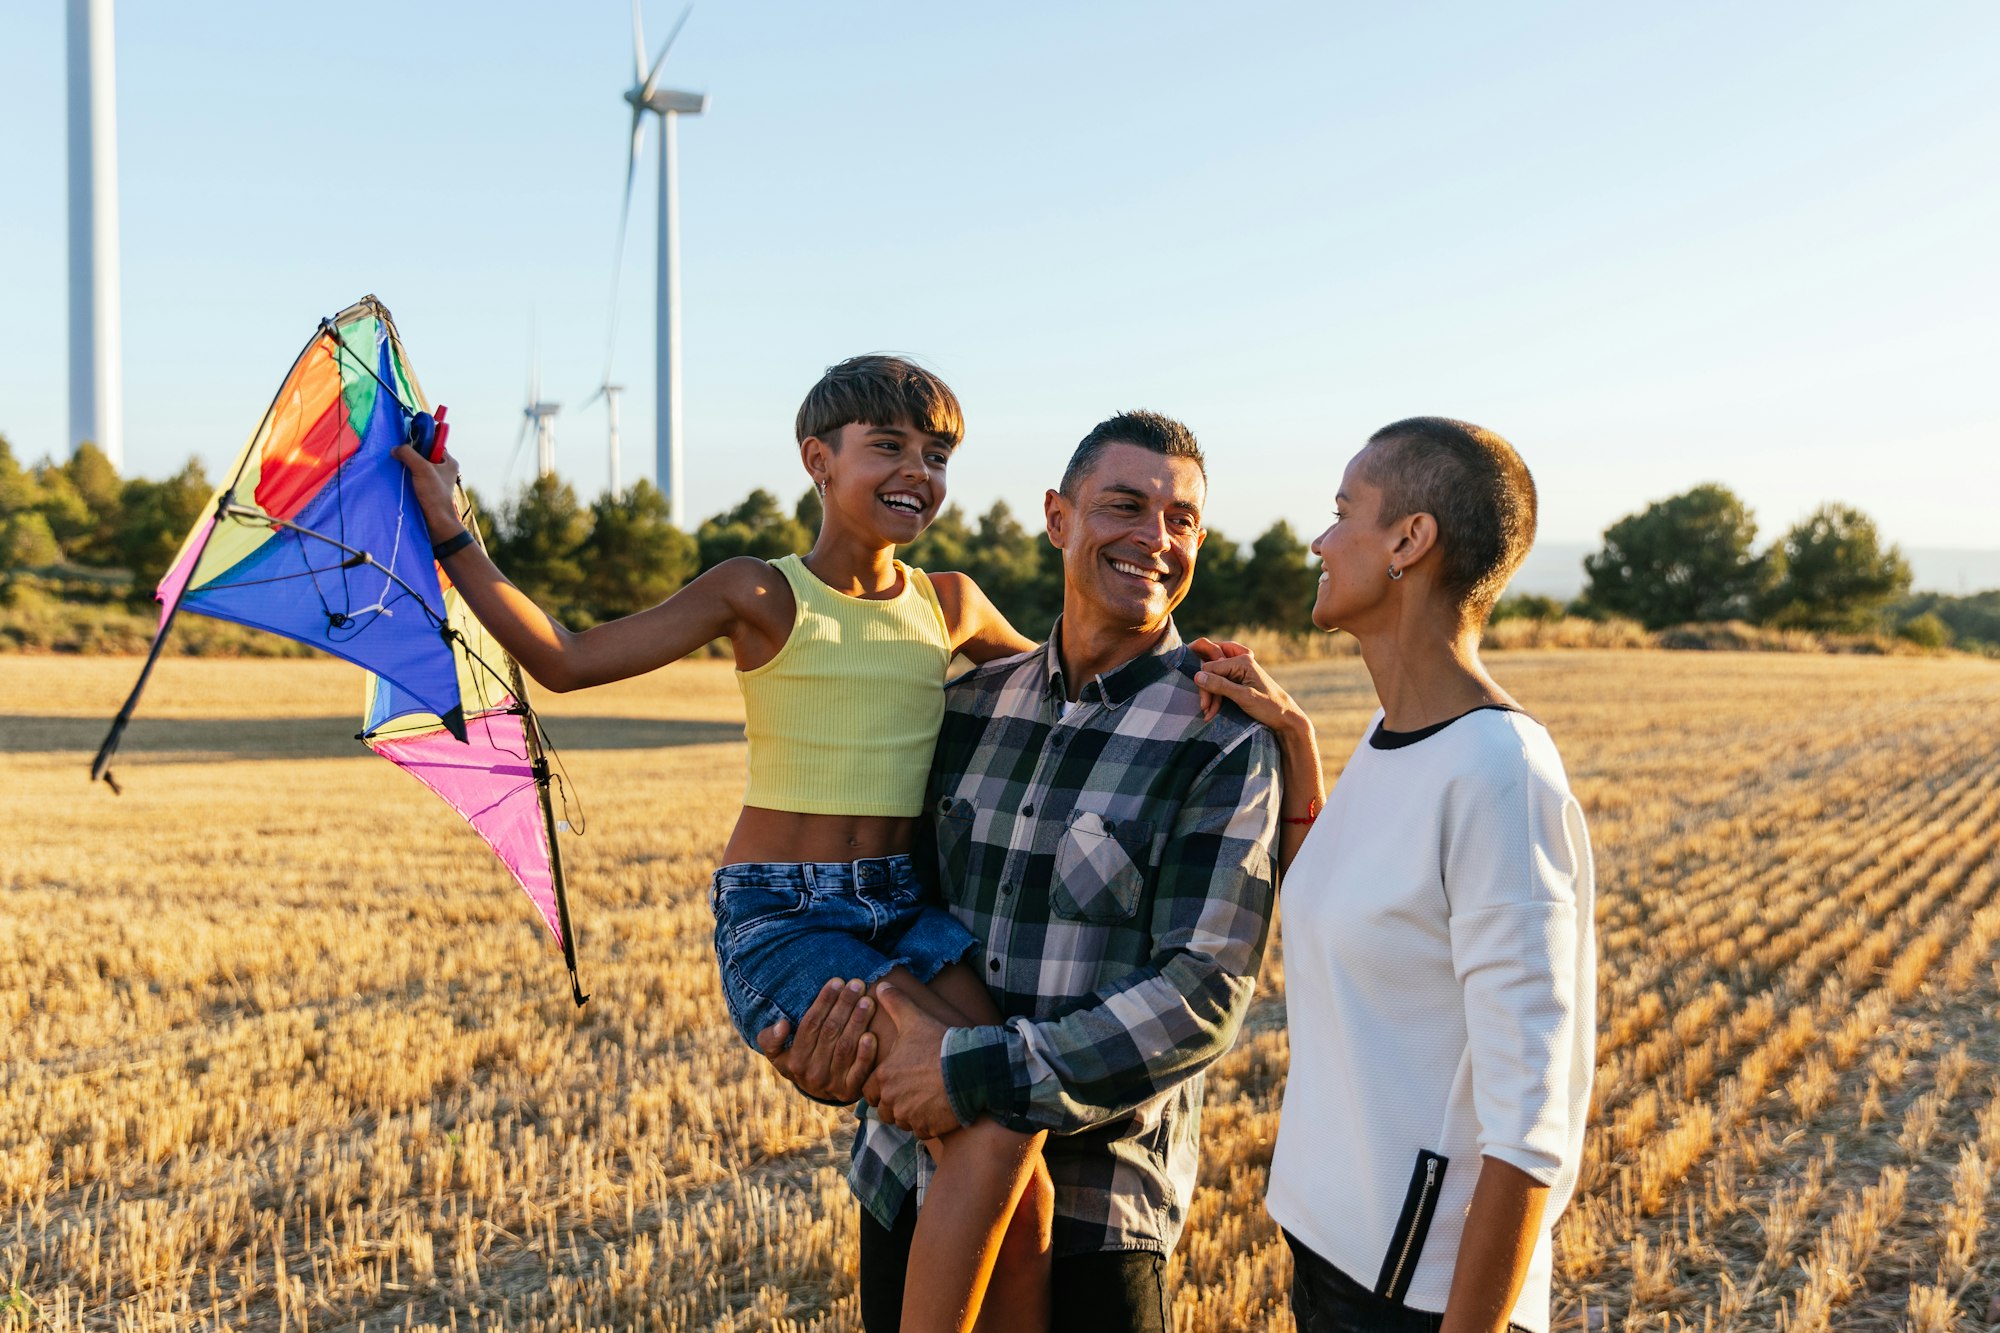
<point x="176" y="581"/>
<point x="487" y="779"/>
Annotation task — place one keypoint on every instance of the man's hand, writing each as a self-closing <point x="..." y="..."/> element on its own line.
<point x="907" y="1088"/>
<point x="834" y="1051"/>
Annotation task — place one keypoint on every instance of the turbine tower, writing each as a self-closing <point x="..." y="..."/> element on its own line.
<point x="646" y="95"/>
<point x="96" y="400"/>
<point x="609" y="393"/>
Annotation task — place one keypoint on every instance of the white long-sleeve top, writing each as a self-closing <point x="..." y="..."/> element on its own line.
<point x="1440" y="988"/>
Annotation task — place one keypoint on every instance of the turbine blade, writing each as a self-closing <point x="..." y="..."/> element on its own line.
<point x="653" y="79"/>
<point x="631" y="174"/>
<point x="624" y="220"/>
<point x="638" y="46"/>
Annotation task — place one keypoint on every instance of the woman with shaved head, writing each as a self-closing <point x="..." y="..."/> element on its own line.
<point x="1439" y="962"/>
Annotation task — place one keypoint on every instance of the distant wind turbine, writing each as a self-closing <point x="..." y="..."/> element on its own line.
<point x="609" y="393"/>
<point x="542" y="416"/>
<point x="96" y="396"/>
<point x="646" y="95"/>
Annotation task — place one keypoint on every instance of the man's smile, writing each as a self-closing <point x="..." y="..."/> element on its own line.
<point x="1131" y="570"/>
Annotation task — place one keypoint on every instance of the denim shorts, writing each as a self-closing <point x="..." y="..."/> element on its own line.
<point x="784" y="929"/>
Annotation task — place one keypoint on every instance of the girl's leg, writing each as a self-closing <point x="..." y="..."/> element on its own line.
<point x="1018" y="1295"/>
<point x="982" y="1239"/>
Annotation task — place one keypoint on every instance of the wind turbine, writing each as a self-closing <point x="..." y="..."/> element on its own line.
<point x="646" y="95"/>
<point x="542" y="416"/>
<point x="609" y="393"/>
<point x="96" y="398"/>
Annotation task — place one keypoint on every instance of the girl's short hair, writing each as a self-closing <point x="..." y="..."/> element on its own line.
<point x="881" y="390"/>
<point x="1477" y="488"/>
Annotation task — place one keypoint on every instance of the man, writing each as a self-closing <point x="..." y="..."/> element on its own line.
<point x="1112" y="850"/>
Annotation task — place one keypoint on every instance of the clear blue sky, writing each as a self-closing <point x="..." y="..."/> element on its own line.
<point x="1652" y="245"/>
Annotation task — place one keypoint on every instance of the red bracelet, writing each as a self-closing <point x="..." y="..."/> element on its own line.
<point x="1312" y="813"/>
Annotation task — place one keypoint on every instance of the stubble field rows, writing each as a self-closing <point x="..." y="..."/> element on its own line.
<point x="281" y="1048"/>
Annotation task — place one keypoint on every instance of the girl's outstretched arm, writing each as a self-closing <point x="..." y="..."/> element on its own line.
<point x="978" y="629"/>
<point x="743" y="600"/>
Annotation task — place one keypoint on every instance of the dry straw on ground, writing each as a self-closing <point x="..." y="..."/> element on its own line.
<point x="280" y="1048"/>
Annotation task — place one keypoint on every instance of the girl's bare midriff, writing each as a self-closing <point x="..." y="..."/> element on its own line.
<point x="786" y="835"/>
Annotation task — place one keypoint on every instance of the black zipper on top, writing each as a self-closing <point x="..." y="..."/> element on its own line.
<point x="1406" y="1243"/>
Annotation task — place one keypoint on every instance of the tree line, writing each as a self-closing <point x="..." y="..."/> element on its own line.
<point x="588" y="563"/>
<point x="1690" y="558"/>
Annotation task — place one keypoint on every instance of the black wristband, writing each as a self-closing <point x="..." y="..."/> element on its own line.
<point x="452" y="545"/>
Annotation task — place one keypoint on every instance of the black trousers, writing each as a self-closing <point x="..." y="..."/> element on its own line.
<point x="1121" y="1291"/>
<point x="1326" y="1300"/>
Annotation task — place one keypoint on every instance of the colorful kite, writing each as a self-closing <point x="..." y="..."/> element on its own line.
<point x="316" y="536"/>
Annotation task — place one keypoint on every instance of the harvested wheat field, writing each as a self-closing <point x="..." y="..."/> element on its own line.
<point x="284" y="1049"/>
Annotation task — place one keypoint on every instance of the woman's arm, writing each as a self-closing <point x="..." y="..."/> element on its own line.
<point x="1518" y="885"/>
<point x="978" y="630"/>
<point x="1232" y="673"/>
<point x="733" y="600"/>
<point x="1501" y="1228"/>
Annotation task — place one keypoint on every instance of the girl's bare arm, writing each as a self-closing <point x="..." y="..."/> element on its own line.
<point x="744" y="600"/>
<point x="978" y="630"/>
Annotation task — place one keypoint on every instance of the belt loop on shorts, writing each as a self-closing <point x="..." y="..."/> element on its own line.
<point x="809" y="876"/>
<point x="872" y="876"/>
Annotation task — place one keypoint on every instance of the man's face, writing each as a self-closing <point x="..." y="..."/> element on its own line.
<point x="1128" y="538"/>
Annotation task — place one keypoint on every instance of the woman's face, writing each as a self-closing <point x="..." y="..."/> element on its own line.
<point x="1355" y="551"/>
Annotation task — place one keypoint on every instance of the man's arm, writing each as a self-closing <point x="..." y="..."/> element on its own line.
<point x="1167" y="1020"/>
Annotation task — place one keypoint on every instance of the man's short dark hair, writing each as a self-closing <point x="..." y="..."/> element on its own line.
<point x="881" y="390"/>
<point x="1149" y="430"/>
<point x="1476" y="487"/>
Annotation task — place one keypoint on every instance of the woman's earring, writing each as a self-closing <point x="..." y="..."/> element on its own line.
<point x="1394" y="572"/>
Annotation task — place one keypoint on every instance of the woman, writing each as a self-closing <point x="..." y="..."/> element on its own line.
<point x="1439" y="961"/>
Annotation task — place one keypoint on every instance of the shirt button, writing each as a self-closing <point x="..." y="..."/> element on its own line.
<point x="993" y="965"/>
<point x="1006" y="888"/>
<point x="1027" y="811"/>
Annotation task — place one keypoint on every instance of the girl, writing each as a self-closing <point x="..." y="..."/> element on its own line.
<point x="841" y="656"/>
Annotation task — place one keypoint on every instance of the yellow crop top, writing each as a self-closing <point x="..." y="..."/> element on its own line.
<point x="844" y="719"/>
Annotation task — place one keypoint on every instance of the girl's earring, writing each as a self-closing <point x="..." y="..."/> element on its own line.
<point x="822" y="487"/>
<point x="1394" y="572"/>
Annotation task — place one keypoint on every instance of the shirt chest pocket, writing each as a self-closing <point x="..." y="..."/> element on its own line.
<point x="954" y="845"/>
<point x="1101" y="866"/>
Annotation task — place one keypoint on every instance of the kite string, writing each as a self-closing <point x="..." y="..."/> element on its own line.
<point x="572" y="804"/>
<point x="387" y="388"/>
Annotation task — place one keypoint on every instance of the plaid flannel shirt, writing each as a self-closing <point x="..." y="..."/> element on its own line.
<point x="1116" y="864"/>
